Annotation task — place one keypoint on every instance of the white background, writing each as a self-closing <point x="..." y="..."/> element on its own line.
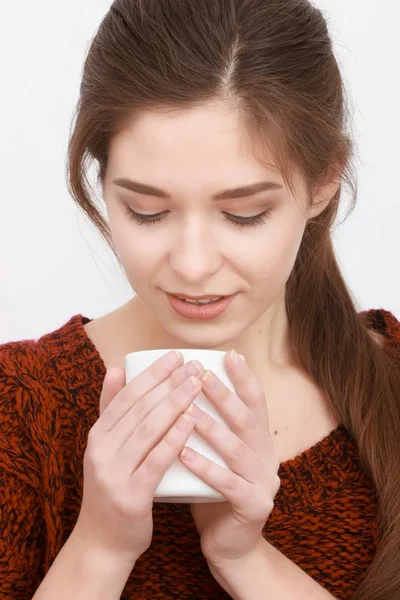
<point x="54" y="265"/>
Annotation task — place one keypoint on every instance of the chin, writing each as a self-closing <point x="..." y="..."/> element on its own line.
<point x="190" y="336"/>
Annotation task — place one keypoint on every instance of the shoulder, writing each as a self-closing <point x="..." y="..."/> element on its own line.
<point x="18" y="364"/>
<point x="50" y="386"/>
<point x="23" y="366"/>
<point x="42" y="359"/>
<point x="18" y="412"/>
<point x="32" y="373"/>
<point x="40" y="385"/>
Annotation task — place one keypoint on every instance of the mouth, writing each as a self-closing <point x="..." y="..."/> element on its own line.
<point x="203" y="308"/>
<point x="201" y="300"/>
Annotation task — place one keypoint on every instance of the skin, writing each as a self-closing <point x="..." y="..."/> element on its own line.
<point x="193" y="154"/>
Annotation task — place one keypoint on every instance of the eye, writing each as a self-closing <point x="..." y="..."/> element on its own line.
<point x="248" y="221"/>
<point x="239" y="221"/>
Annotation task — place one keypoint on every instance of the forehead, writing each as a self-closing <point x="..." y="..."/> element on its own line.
<point x="167" y="148"/>
<point x="205" y="130"/>
<point x="208" y="137"/>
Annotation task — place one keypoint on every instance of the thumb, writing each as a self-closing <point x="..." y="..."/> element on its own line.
<point x="113" y="383"/>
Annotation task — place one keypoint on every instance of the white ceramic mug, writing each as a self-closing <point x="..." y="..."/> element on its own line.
<point x="179" y="484"/>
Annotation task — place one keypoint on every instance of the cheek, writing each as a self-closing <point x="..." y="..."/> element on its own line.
<point x="131" y="240"/>
<point x="139" y="258"/>
<point x="273" y="261"/>
<point x="287" y="248"/>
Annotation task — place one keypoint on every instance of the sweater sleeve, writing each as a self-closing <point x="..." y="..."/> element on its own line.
<point x="22" y="527"/>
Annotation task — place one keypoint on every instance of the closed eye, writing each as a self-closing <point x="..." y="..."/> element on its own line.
<point x="236" y="220"/>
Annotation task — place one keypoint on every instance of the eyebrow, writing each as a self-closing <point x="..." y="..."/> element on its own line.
<point x="237" y="192"/>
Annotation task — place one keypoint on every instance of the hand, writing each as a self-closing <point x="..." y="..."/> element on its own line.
<point x="233" y="529"/>
<point x="130" y="447"/>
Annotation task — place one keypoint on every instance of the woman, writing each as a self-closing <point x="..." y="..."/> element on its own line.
<point x="182" y="103"/>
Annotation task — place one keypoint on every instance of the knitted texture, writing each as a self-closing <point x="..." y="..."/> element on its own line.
<point x="324" y="516"/>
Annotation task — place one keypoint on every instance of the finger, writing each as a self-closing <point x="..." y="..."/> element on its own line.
<point x="238" y="456"/>
<point x="229" y="406"/>
<point x="162" y="456"/>
<point x="246" y="419"/>
<point x="157" y="372"/>
<point x="246" y="384"/>
<point x="133" y="410"/>
<point x="140" y="385"/>
<point x="113" y="383"/>
<point x="252" y="501"/>
<point x="149" y="432"/>
<point x="219" y="478"/>
<point x="144" y="406"/>
<point x="193" y="367"/>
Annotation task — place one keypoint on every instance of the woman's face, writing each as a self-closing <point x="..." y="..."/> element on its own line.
<point x="197" y="246"/>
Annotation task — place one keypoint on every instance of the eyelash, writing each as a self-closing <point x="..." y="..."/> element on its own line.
<point x="239" y="221"/>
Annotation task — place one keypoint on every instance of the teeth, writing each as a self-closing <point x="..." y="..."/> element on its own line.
<point x="200" y="301"/>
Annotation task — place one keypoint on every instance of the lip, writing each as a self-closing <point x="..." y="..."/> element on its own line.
<point x="205" y="297"/>
<point x="206" y="311"/>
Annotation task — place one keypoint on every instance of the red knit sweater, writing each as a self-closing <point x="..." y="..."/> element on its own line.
<point x="323" y="518"/>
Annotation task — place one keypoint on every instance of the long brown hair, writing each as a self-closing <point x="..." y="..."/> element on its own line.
<point x="273" y="60"/>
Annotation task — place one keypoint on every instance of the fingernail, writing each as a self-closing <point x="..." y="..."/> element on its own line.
<point x="209" y="379"/>
<point x="183" y="423"/>
<point x="234" y="356"/>
<point x="195" y="412"/>
<point x="172" y="358"/>
<point x="194" y="367"/>
<point x="190" y="383"/>
<point x="188" y="454"/>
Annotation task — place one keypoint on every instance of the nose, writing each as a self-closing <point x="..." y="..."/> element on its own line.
<point x="195" y="255"/>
